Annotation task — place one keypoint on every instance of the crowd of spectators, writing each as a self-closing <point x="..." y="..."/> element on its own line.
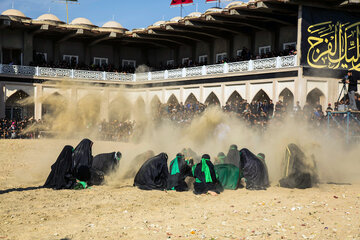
<point x="244" y="55"/>
<point x="256" y="115"/>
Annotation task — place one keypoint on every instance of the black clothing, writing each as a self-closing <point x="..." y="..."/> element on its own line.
<point x="200" y="185"/>
<point x="233" y="156"/>
<point x="352" y="84"/>
<point x="254" y="171"/>
<point x="82" y="156"/>
<point x="299" y="171"/>
<point x="61" y="176"/>
<point x="176" y="179"/>
<point x="106" y="162"/>
<point x="153" y="174"/>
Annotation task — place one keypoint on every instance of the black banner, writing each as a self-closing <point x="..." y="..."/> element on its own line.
<point x="330" y="39"/>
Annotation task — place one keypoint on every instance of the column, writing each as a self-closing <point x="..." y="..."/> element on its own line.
<point x="222" y="95"/>
<point x="182" y="100"/>
<point x="201" y="100"/>
<point x="275" y="96"/>
<point x="104" y="107"/>
<point x="247" y="92"/>
<point x="38" y="92"/>
<point x="2" y="100"/>
<point x="300" y="91"/>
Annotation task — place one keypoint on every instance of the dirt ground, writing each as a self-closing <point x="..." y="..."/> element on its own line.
<point x="120" y="211"/>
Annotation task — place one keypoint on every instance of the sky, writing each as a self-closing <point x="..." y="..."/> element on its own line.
<point x="129" y="13"/>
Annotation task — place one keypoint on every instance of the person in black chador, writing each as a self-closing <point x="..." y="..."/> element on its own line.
<point x="253" y="170"/>
<point x="107" y="162"/>
<point x="233" y="156"/>
<point x="82" y="157"/>
<point x="153" y="174"/>
<point x="299" y="171"/>
<point x="61" y="176"/>
<point x="179" y="170"/>
<point x="205" y="177"/>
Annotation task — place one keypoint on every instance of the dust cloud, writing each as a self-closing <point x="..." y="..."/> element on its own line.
<point x="211" y="132"/>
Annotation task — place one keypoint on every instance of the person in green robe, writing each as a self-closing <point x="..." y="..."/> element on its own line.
<point x="228" y="174"/>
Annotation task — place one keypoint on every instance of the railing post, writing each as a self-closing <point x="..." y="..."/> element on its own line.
<point x="104" y="75"/>
<point x="37" y="71"/>
<point x="203" y="70"/>
<point x="134" y="77"/>
<point x="72" y="73"/>
<point x="183" y="72"/>
<point x="226" y="67"/>
<point x="149" y="76"/>
<point x="166" y="74"/>
<point x="296" y="60"/>
<point x="278" y="62"/>
<point x="251" y="65"/>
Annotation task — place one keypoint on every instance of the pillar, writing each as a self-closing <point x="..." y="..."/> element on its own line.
<point x="38" y="92"/>
<point x="2" y="100"/>
<point x="247" y="92"/>
<point x="300" y="91"/>
<point x="275" y="96"/>
<point x="182" y="100"/>
<point x="104" y="107"/>
<point x="222" y="95"/>
<point x="201" y="100"/>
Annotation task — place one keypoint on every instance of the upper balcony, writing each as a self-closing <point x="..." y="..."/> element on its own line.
<point x="98" y="76"/>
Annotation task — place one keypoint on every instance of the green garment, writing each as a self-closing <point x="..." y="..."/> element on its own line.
<point x="221" y="158"/>
<point x="228" y="175"/>
<point x="206" y="170"/>
<point x="175" y="166"/>
<point x="193" y="172"/>
<point x="80" y="185"/>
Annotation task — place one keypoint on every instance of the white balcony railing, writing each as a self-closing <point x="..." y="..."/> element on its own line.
<point x="243" y="66"/>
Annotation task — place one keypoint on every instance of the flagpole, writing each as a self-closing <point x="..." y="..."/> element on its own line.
<point x="181" y="8"/>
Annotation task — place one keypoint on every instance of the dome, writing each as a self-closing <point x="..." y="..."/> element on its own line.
<point x="48" y="17"/>
<point x="175" y="19"/>
<point x="158" y="23"/>
<point x="81" y="21"/>
<point x="13" y="13"/>
<point x="236" y="3"/>
<point x="195" y="14"/>
<point x="214" y="9"/>
<point x="112" y="24"/>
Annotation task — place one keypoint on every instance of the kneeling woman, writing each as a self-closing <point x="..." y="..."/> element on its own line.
<point x="205" y="177"/>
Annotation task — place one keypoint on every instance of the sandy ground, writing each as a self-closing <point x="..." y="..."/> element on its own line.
<point x="120" y="211"/>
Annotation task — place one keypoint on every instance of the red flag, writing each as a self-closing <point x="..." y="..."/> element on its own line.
<point x="178" y="2"/>
<point x="207" y="1"/>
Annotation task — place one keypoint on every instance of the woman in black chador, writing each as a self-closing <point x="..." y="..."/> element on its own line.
<point x="179" y="170"/>
<point x="254" y="171"/>
<point x="205" y="177"/>
<point x="153" y="174"/>
<point x="82" y="160"/>
<point x="107" y="162"/>
<point x="61" y="176"/>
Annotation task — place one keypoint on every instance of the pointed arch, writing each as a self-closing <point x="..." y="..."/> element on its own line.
<point x="212" y="99"/>
<point x="315" y="97"/>
<point x="261" y="96"/>
<point x="16" y="108"/>
<point x="191" y="99"/>
<point x="120" y="108"/>
<point x="173" y="100"/>
<point x="235" y="97"/>
<point x="287" y="97"/>
<point x="54" y="104"/>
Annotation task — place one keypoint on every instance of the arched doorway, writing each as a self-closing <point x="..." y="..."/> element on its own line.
<point x="315" y="97"/>
<point x="287" y="97"/>
<point x="120" y="109"/>
<point x="261" y="96"/>
<point x="212" y="99"/>
<point x="16" y="107"/>
<point x="53" y="105"/>
<point x="234" y="98"/>
<point x="173" y="100"/>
